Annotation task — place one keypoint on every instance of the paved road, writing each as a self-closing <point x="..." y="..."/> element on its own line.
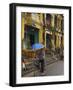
<point x="54" y="69"/>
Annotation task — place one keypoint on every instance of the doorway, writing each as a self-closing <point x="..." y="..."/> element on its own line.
<point x="31" y="36"/>
<point x="48" y="41"/>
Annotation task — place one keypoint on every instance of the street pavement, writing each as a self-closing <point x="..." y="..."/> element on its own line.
<point x="53" y="69"/>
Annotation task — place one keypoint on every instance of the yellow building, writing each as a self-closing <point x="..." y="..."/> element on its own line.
<point x="42" y="28"/>
<point x="54" y="31"/>
<point x="32" y="29"/>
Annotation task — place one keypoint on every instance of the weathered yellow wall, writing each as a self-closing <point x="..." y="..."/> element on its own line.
<point x="22" y="27"/>
<point x="57" y="41"/>
<point x="63" y="41"/>
<point x="52" y="20"/>
<point x="38" y="24"/>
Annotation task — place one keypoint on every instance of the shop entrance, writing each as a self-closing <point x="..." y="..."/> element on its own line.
<point x="31" y="36"/>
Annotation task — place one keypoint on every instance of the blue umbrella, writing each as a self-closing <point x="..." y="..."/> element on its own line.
<point x="37" y="46"/>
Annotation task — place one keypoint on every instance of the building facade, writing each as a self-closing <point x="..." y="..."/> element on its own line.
<point x="47" y="29"/>
<point x="54" y="30"/>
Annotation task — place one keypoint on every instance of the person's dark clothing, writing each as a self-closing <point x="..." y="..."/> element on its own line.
<point x="41" y="56"/>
